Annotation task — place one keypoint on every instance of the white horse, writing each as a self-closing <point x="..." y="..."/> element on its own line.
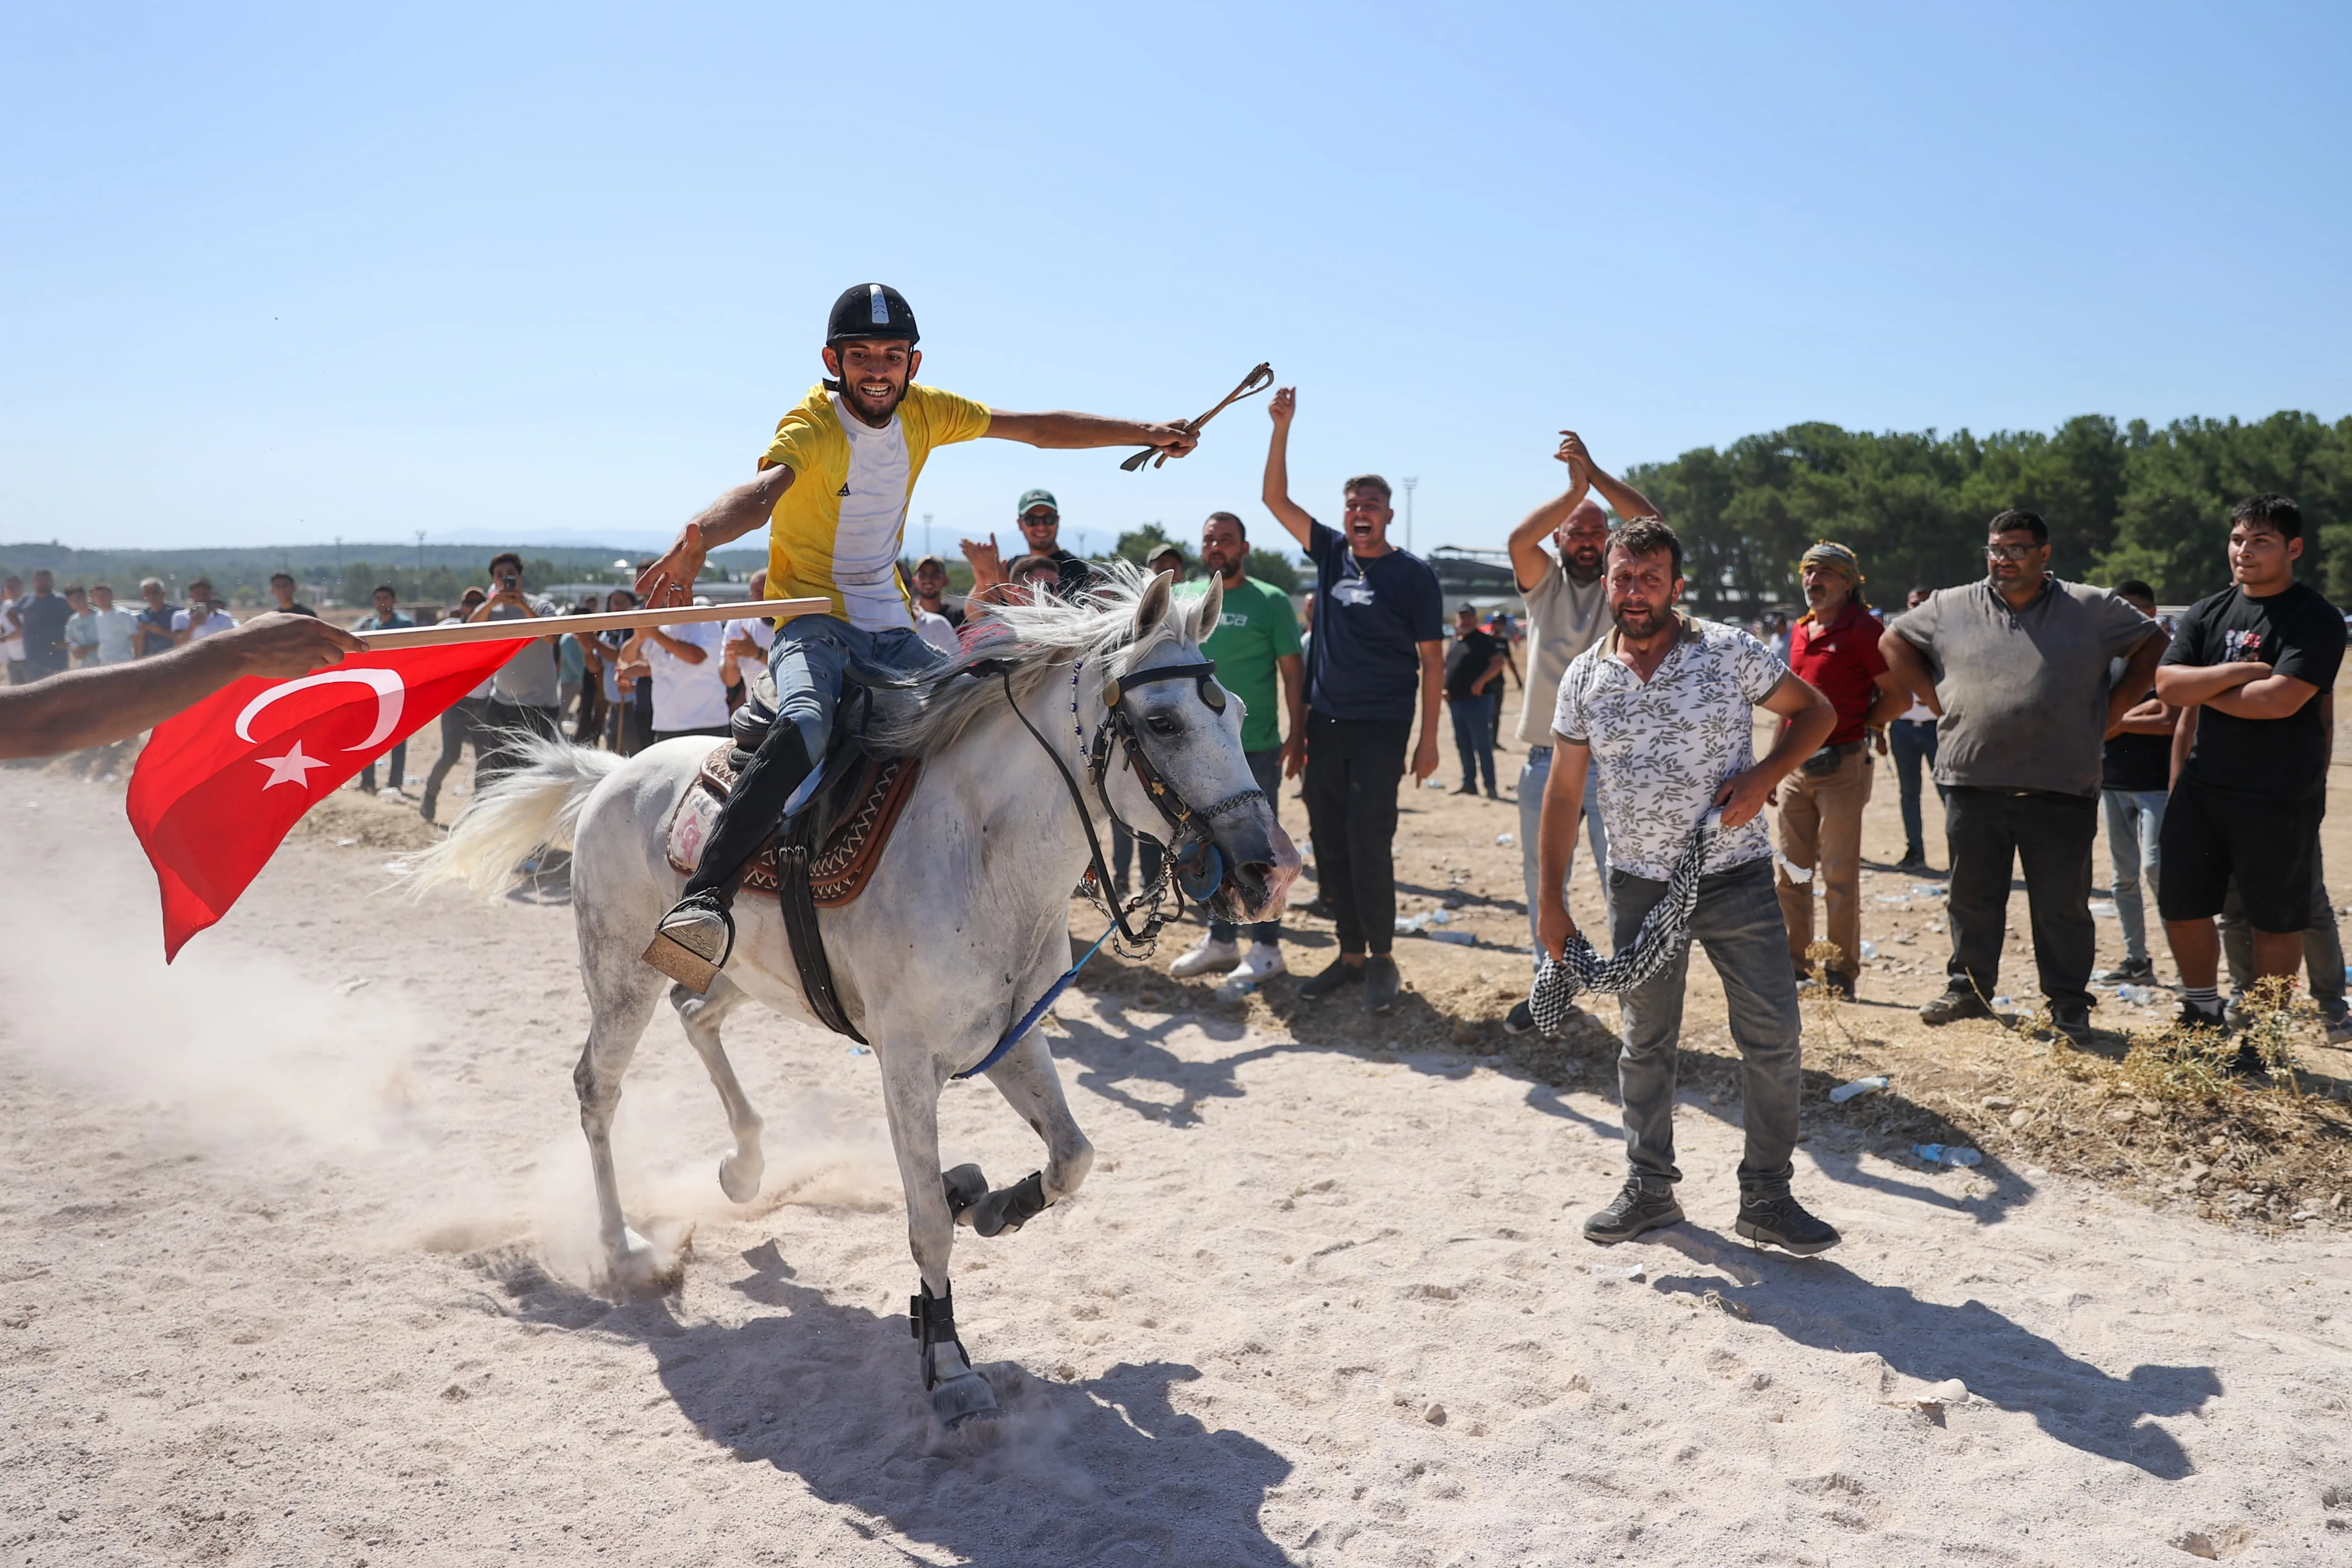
<point x="962" y="926"/>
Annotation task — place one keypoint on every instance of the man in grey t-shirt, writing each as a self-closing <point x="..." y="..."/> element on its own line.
<point x="2016" y="669"/>
<point x="1568" y="611"/>
<point x="524" y="698"/>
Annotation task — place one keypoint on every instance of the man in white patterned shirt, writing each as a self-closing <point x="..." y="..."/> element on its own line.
<point x="1663" y="707"/>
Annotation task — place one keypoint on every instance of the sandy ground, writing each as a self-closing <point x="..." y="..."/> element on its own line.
<point x="296" y="1270"/>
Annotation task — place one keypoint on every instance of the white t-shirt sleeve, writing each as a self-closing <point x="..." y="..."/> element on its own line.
<point x="179" y="621"/>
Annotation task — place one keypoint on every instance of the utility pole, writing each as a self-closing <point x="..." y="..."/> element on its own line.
<point x="420" y="559"/>
<point x="1409" y="484"/>
<point x="927" y="533"/>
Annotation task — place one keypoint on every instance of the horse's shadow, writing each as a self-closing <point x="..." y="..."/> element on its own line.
<point x="1098" y="1470"/>
<point x="1829" y="1307"/>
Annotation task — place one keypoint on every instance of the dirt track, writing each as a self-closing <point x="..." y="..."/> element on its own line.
<point x="297" y="1259"/>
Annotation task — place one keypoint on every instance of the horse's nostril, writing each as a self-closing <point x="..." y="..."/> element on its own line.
<point x="1257" y="873"/>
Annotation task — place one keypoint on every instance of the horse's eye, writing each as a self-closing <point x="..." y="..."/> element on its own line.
<point x="1161" y="724"/>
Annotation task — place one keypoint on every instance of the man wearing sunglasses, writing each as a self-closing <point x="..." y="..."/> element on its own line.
<point x="2015" y="668"/>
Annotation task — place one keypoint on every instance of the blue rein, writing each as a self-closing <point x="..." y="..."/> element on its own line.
<point x="1029" y="1020"/>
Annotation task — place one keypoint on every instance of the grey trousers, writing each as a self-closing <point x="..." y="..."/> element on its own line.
<point x="1739" y="922"/>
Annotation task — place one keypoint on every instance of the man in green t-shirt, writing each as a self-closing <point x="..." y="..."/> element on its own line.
<point x="1256" y="636"/>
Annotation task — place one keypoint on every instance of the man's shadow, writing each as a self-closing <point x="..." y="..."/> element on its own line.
<point x="831" y="1395"/>
<point x="1821" y="1304"/>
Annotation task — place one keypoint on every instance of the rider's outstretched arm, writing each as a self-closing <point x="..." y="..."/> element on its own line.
<point x="670" y="579"/>
<point x="1065" y="430"/>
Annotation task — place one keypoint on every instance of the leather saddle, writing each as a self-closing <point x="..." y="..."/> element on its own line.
<point x="842" y="831"/>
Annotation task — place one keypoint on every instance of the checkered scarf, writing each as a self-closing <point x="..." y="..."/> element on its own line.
<point x="1663" y="930"/>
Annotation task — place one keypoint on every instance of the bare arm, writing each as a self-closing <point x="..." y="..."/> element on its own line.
<point x="2272" y="696"/>
<point x="1275" y="491"/>
<point x="2139" y="672"/>
<point x="114" y="702"/>
<point x="1807" y="719"/>
<point x="1910" y="667"/>
<point x="1063" y="431"/>
<point x="670" y="580"/>
<point x="1433" y="698"/>
<point x="1893" y="701"/>
<point x="2154" y="717"/>
<point x="1494" y="668"/>
<point x="1623" y="499"/>
<point x="1563" y="814"/>
<point x="1529" y="559"/>
<point x="2184" y="737"/>
<point x="2193" y="685"/>
<point x="1294" y="702"/>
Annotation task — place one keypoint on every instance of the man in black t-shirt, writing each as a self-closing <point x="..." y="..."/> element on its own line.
<point x="2135" y="777"/>
<point x="2254" y="659"/>
<point x="1380" y="627"/>
<point x="1472" y="664"/>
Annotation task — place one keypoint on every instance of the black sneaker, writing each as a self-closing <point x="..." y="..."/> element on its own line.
<point x="1645" y="1203"/>
<point x="1958" y="1001"/>
<point x="2194" y="1017"/>
<point x="1915" y="861"/>
<point x="1314" y="987"/>
<point x="2128" y="973"/>
<point x="2072" y="1019"/>
<point x="1842" y="985"/>
<point x="1520" y="1019"/>
<point x="1382" y="984"/>
<point x="1768" y="1213"/>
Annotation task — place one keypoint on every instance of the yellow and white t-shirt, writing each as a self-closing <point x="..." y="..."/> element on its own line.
<point x="835" y="534"/>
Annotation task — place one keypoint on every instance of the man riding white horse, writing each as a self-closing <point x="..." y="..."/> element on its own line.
<point x="833" y="487"/>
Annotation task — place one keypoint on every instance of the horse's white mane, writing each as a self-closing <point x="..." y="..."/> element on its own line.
<point x="1043" y="638"/>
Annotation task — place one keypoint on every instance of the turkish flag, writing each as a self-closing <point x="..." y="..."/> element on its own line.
<point x="220" y="785"/>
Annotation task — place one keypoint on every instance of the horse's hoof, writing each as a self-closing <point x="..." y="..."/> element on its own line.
<point x="739" y="1176"/>
<point x="962" y="1399"/>
<point x="633" y="1264"/>
<point x="965" y="1186"/>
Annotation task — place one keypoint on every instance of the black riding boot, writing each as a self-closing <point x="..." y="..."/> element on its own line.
<point x="693" y="941"/>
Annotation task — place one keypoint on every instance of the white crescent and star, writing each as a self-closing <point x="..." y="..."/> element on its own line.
<point x="294" y="767"/>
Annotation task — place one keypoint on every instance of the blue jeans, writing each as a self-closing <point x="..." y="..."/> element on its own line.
<point x="1474" y="737"/>
<point x="1912" y="741"/>
<point x="1738" y="921"/>
<point x="2135" y="819"/>
<point x="1533" y="776"/>
<point x="808" y="659"/>
<point x="1265" y="768"/>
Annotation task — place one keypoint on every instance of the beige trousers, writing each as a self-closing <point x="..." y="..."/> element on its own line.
<point x="1821" y="830"/>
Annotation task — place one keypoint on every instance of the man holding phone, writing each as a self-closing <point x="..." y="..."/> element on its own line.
<point x="524" y="695"/>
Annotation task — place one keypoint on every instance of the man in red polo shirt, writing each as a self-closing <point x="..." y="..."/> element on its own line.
<point x="1835" y="647"/>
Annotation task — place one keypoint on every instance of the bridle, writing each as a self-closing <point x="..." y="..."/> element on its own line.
<point x="1191" y="855"/>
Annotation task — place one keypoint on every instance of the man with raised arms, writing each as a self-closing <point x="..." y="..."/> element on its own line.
<point x="833" y="491"/>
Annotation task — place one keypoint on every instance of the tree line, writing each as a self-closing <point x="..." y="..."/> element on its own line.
<point x="2122" y="501"/>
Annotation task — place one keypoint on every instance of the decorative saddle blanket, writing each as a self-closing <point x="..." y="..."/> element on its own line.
<point x="868" y="808"/>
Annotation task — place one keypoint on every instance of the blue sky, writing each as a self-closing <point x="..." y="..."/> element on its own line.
<point x="278" y="274"/>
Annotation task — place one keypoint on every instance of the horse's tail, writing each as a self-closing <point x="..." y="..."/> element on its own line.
<point x="536" y="808"/>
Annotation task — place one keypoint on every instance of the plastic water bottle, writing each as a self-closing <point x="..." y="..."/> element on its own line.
<point x="1459" y="939"/>
<point x="1870" y="950"/>
<point x="1939" y="1155"/>
<point x="2138" y="996"/>
<point x="1845" y="1092"/>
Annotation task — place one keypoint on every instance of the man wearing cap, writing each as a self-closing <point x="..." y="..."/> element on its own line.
<point x="1040" y="527"/>
<point x="1835" y="647"/>
<point x="1473" y="663"/>
<point x="931" y="591"/>
<point x="833" y="491"/>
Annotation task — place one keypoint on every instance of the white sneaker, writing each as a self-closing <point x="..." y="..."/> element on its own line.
<point x="1263" y="963"/>
<point x="1207" y="957"/>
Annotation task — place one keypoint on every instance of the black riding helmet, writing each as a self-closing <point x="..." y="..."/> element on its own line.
<point x="870" y="311"/>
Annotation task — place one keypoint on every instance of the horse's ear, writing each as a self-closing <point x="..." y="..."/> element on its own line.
<point x="1152" y="608"/>
<point x="1211" y="606"/>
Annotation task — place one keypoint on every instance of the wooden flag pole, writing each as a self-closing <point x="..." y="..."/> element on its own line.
<point x="607" y="620"/>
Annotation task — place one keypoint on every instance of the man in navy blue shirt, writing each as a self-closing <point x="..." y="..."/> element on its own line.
<point x="1378" y="651"/>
